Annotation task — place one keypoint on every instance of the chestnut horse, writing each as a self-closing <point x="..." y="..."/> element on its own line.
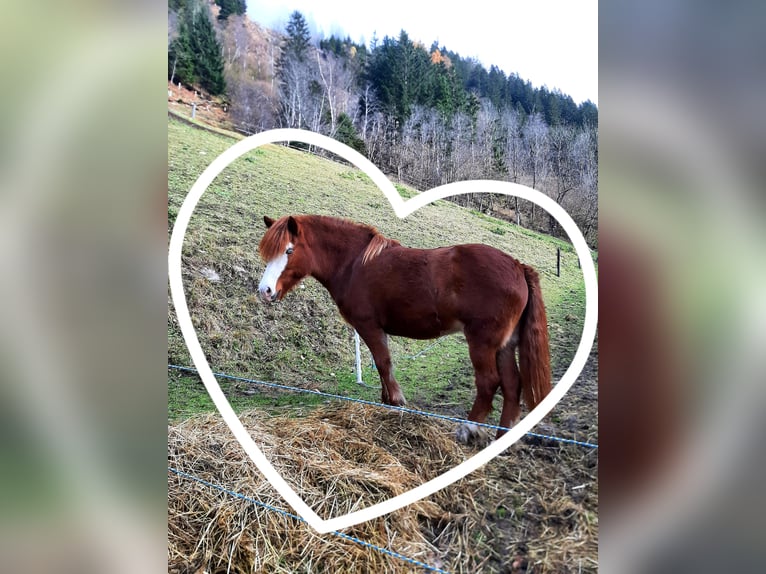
<point x="383" y="288"/>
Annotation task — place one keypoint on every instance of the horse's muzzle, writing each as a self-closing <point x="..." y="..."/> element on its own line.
<point x="269" y="296"/>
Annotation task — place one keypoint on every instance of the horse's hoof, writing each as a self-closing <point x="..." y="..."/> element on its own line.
<point x="396" y="401"/>
<point x="466" y="433"/>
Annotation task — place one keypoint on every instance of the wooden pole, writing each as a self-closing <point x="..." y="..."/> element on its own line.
<point x="558" y="262"/>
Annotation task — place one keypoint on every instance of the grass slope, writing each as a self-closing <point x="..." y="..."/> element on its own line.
<point x="535" y="506"/>
<point x="303" y="341"/>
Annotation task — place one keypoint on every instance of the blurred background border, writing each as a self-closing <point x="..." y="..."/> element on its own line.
<point x="83" y="274"/>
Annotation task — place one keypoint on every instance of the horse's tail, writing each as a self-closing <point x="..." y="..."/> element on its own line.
<point x="534" y="353"/>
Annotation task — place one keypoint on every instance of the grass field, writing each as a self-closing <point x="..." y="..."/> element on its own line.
<point x="303" y="341"/>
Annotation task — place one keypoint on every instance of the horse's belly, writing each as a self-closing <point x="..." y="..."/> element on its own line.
<point x="422" y="329"/>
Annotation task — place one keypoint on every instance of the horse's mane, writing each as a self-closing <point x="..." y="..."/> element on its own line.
<point x="276" y="238"/>
<point x="377" y="244"/>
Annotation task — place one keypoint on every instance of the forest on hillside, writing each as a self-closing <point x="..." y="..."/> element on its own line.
<point x="423" y="114"/>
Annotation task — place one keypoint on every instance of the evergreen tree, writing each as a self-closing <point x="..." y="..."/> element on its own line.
<point x="229" y="7"/>
<point x="207" y="52"/>
<point x="552" y="108"/>
<point x="401" y="74"/>
<point x="194" y="57"/>
<point x="589" y="114"/>
<point x="181" y="58"/>
<point x="496" y="87"/>
<point x="298" y="37"/>
<point x="569" y="113"/>
<point x="346" y="133"/>
<point x="449" y="96"/>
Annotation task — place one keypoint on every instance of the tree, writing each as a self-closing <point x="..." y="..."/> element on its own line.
<point x="295" y="82"/>
<point x="181" y="58"/>
<point x="563" y="166"/>
<point x="252" y="105"/>
<point x="536" y="147"/>
<point x="426" y="115"/>
<point x="585" y="204"/>
<point x="346" y="133"/>
<point x="589" y="114"/>
<point x="229" y="7"/>
<point x="513" y="151"/>
<point x="194" y="56"/>
<point x="298" y="81"/>
<point x="298" y="37"/>
<point x="208" y="62"/>
<point x="338" y="87"/>
<point x="401" y="75"/>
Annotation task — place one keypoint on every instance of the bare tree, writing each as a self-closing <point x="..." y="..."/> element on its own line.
<point x="338" y="84"/>
<point x="370" y="106"/>
<point x="513" y="151"/>
<point x="253" y="107"/>
<point x="562" y="166"/>
<point x="585" y="204"/>
<point x="247" y="52"/>
<point x="239" y="46"/>
<point x="461" y="156"/>
<point x="488" y="135"/>
<point x="296" y="78"/>
<point x="536" y="148"/>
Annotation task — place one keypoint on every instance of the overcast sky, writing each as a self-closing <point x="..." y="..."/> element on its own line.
<point x="548" y="42"/>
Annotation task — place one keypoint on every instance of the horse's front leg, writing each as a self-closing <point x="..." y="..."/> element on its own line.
<point x="377" y="342"/>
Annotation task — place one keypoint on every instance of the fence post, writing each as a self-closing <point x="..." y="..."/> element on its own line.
<point x="558" y="262"/>
<point x="358" y="358"/>
<point x="194" y="110"/>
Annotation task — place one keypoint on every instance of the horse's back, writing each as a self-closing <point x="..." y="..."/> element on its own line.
<point x="426" y="293"/>
<point x="483" y="278"/>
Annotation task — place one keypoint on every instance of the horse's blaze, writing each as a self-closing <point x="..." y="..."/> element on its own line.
<point x="268" y="287"/>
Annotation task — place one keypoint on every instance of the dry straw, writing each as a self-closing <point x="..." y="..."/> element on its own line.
<point x="532" y="509"/>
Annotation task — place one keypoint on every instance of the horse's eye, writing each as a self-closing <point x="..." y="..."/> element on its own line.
<point x="289" y="251"/>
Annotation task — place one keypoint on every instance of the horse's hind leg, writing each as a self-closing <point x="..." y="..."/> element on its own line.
<point x="377" y="342"/>
<point x="484" y="362"/>
<point x="510" y="384"/>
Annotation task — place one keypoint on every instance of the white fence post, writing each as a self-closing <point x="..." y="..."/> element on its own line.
<point x="358" y="358"/>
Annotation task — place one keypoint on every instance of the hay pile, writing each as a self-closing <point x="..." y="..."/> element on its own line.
<point x="530" y="510"/>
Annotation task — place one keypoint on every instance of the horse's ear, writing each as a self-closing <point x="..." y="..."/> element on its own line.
<point x="292" y="225"/>
<point x="268" y="221"/>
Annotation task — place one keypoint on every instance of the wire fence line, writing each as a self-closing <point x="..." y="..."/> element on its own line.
<point x="381" y="405"/>
<point x="359" y="541"/>
<point x="373" y="547"/>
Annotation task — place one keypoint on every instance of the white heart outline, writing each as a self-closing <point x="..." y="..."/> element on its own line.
<point x="402" y="209"/>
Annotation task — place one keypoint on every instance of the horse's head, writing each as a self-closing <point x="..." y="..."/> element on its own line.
<point x="287" y="261"/>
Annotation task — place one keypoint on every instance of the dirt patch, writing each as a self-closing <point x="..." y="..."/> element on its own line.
<point x="210" y="110"/>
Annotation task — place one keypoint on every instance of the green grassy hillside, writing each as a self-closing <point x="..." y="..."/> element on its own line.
<point x="303" y="341"/>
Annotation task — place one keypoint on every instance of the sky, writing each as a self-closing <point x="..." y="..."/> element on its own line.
<point x="548" y="42"/>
